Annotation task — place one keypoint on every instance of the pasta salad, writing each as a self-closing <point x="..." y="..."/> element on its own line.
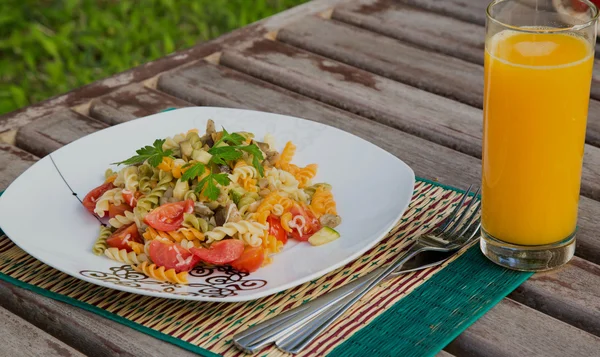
<point x="216" y="198"/>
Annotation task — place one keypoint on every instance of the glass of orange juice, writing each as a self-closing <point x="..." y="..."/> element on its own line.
<point x="538" y="68"/>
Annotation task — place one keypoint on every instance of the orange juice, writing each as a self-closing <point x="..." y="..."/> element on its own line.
<point x="536" y="99"/>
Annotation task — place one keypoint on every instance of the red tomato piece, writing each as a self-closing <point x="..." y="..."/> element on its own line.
<point x="309" y="223"/>
<point x="123" y="235"/>
<point x="118" y="210"/>
<point x="169" y="217"/>
<point x="171" y="256"/>
<point x="250" y="260"/>
<point x="219" y="253"/>
<point x="131" y="198"/>
<point x="89" y="201"/>
<point x="276" y="230"/>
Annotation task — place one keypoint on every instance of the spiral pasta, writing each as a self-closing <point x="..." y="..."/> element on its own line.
<point x="151" y="200"/>
<point x="138" y="248"/>
<point x="187" y="244"/>
<point x="174" y="236"/>
<point x="112" y="196"/>
<point x="266" y="206"/>
<point x="245" y="203"/>
<point x="125" y="257"/>
<point x="192" y="221"/>
<point x="119" y="221"/>
<point x="100" y="243"/>
<point x="159" y="273"/>
<point x="323" y="202"/>
<point x="231" y="228"/>
<point x="285" y="221"/>
<point x="286" y="156"/>
<point x="145" y="172"/>
<point x="271" y="245"/>
<point x="249" y="184"/>
<point x="304" y="175"/>
<point x="242" y="170"/>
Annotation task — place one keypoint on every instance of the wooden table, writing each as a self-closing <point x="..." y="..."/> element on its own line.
<point x="406" y="75"/>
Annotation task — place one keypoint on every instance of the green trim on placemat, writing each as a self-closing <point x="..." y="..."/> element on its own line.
<point x="435" y="310"/>
<point x="434" y="314"/>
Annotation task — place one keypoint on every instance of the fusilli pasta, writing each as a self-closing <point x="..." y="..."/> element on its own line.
<point x="125" y="257"/>
<point x="100" y="243"/>
<point x="159" y="273"/>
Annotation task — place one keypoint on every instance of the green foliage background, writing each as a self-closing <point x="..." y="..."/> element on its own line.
<point x="48" y="47"/>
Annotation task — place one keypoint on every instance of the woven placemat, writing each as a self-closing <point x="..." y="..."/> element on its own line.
<point x="437" y="303"/>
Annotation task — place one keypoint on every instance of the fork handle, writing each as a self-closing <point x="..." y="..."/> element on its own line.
<point x="262" y="334"/>
<point x="297" y="339"/>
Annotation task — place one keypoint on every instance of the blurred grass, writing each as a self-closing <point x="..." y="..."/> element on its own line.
<point x="48" y="47"/>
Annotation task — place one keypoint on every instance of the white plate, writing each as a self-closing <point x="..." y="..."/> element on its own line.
<point x="40" y="213"/>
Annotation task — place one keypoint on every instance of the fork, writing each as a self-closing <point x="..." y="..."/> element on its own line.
<point x="295" y="329"/>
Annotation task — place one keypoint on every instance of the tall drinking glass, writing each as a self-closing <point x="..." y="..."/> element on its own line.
<point x="538" y="69"/>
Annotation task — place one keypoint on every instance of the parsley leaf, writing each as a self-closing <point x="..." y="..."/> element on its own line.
<point x="222" y="179"/>
<point x="220" y="155"/>
<point x="232" y="139"/>
<point x="154" y="154"/>
<point x="208" y="185"/>
<point x="257" y="157"/>
<point x="194" y="171"/>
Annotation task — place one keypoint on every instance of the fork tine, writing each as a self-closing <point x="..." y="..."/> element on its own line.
<point x="476" y="230"/>
<point x="449" y="219"/>
<point x="472" y="219"/>
<point x="457" y="223"/>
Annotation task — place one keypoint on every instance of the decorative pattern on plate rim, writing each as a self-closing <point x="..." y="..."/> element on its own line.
<point x="218" y="282"/>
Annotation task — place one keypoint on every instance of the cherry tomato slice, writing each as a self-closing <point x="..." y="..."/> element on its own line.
<point x="118" y="210"/>
<point x="123" y="235"/>
<point x="169" y="217"/>
<point x="131" y="197"/>
<point x="219" y="253"/>
<point x="89" y="201"/>
<point x="310" y="223"/>
<point x="250" y="260"/>
<point x="171" y="256"/>
<point x="276" y="230"/>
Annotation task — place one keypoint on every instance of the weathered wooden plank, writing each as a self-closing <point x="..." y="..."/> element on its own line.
<point x="20" y="338"/>
<point x="513" y="329"/>
<point x="86" y="93"/>
<point x="588" y="244"/>
<point x="474" y="11"/>
<point x="420" y="113"/>
<point x="417" y="26"/>
<point x="569" y="294"/>
<point x="13" y="162"/>
<point x="108" y="114"/>
<point x="428" y="30"/>
<point x="467" y="10"/>
<point x="90" y="333"/>
<point x="593" y="125"/>
<point x="132" y="101"/>
<point x="387" y="57"/>
<point x="207" y="84"/>
<point x="52" y="132"/>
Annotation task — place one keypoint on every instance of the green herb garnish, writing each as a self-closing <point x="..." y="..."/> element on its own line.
<point x="154" y="154"/>
<point x="194" y="170"/>
<point x="232" y="139"/>
<point x="208" y="185"/>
